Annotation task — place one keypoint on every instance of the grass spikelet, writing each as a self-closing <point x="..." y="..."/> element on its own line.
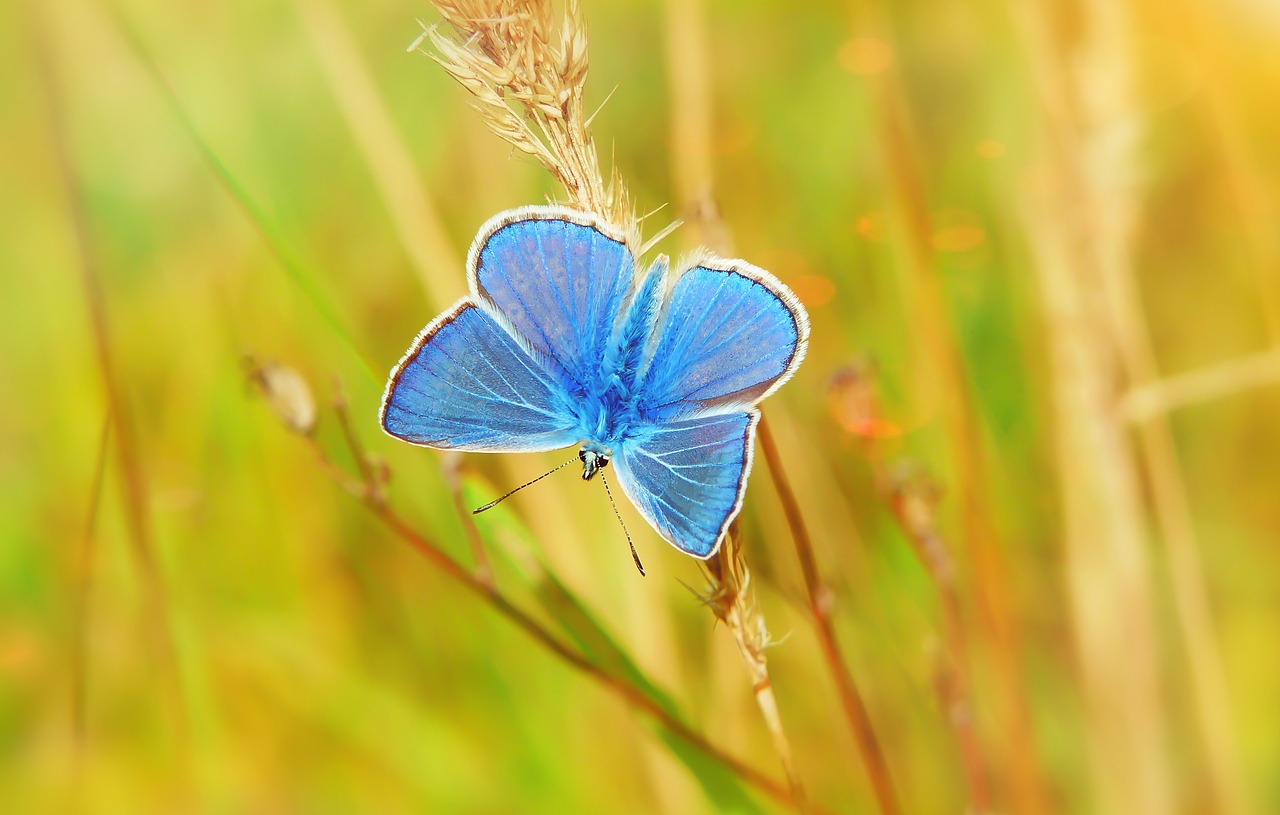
<point x="528" y="79"/>
<point x="729" y="597"/>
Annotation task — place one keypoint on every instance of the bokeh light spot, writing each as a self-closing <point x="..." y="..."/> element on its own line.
<point x="814" y="290"/>
<point x="866" y="56"/>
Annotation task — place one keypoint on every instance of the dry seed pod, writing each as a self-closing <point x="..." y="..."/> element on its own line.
<point x="286" y="392"/>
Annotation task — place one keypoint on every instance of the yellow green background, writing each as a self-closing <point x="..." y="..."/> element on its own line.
<point x="940" y="182"/>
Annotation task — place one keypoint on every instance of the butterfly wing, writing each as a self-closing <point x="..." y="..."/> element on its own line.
<point x="687" y="477"/>
<point x="467" y="383"/>
<point x="559" y="278"/>
<point x="731" y="335"/>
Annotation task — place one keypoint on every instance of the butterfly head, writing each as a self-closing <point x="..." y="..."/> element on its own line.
<point x="595" y="457"/>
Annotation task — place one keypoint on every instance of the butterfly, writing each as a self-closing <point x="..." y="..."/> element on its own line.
<point x="561" y="341"/>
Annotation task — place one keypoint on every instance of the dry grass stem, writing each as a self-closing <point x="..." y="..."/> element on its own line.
<point x="369" y="491"/>
<point x="728" y="595"/>
<point x="451" y="467"/>
<point x="1097" y="144"/>
<point x="943" y="371"/>
<point x="728" y="577"/>
<point x="414" y="215"/>
<point x="912" y="502"/>
<point x="820" y="607"/>
<point x="528" y="78"/>
<point x="1103" y="112"/>
<point x="1162" y="396"/>
<point x="1081" y="227"/>
<point x="84" y="566"/>
<point x="129" y="459"/>
<point x="692" y="136"/>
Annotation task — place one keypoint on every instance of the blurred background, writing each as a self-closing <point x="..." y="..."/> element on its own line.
<point x="1035" y="439"/>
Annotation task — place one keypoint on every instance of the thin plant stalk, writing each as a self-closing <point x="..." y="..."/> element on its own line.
<point x="1161" y="396"/>
<point x="943" y="364"/>
<point x="1081" y="230"/>
<point x="450" y="467"/>
<point x="84" y="566"/>
<point x="688" y="49"/>
<point x="1095" y="145"/>
<point x="728" y="576"/>
<point x="1170" y="501"/>
<point x="1172" y="512"/>
<point x="368" y="490"/>
<point x="529" y="90"/>
<point x="729" y="597"/>
<point x="820" y="606"/>
<point x="129" y="460"/>
<point x="414" y="215"/>
<point x="270" y="232"/>
<point x="912" y="505"/>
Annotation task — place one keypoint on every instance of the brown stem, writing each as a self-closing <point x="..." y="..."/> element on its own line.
<point x="367" y="476"/>
<point x="915" y="518"/>
<point x="135" y="492"/>
<point x="450" y="466"/>
<point x="943" y="366"/>
<point x="84" y="568"/>
<point x="730" y="600"/>
<point x="487" y="591"/>
<point x="911" y="503"/>
<point x="820" y="607"/>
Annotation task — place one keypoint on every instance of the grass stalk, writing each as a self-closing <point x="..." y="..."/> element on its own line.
<point x="728" y="576"/>
<point x="820" y="607"/>
<point x="1170" y="502"/>
<point x="691" y="137"/>
<point x="1096" y="159"/>
<point x="1080" y="227"/>
<point x="527" y="76"/>
<point x="84" y="566"/>
<point x="942" y="360"/>
<point x="1161" y="396"/>
<point x="270" y="232"/>
<point x="414" y="215"/>
<point x="728" y="596"/>
<point x="451" y="466"/>
<point x="912" y="504"/>
<point x="135" y="492"/>
<point x="367" y="490"/>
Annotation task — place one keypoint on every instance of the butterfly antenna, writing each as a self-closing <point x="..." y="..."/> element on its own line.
<point x="618" y="515"/>
<point x="497" y="501"/>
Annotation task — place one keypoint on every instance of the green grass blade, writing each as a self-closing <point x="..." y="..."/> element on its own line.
<point x="267" y="228"/>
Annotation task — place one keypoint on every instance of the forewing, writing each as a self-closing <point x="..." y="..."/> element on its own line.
<point x="687" y="477"/>
<point x="467" y="384"/>
<point x="558" y="279"/>
<point x="731" y="335"/>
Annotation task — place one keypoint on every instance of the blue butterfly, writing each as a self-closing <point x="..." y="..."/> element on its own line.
<point x="561" y="343"/>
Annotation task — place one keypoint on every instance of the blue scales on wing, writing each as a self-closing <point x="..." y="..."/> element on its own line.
<point x="468" y="384"/>
<point x="731" y="334"/>
<point x="687" y="477"/>
<point x="560" y="285"/>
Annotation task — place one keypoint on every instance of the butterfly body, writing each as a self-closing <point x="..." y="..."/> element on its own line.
<point x="561" y="342"/>
<point x="610" y="405"/>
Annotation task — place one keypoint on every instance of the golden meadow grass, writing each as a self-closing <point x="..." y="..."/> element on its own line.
<point x="1009" y="543"/>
